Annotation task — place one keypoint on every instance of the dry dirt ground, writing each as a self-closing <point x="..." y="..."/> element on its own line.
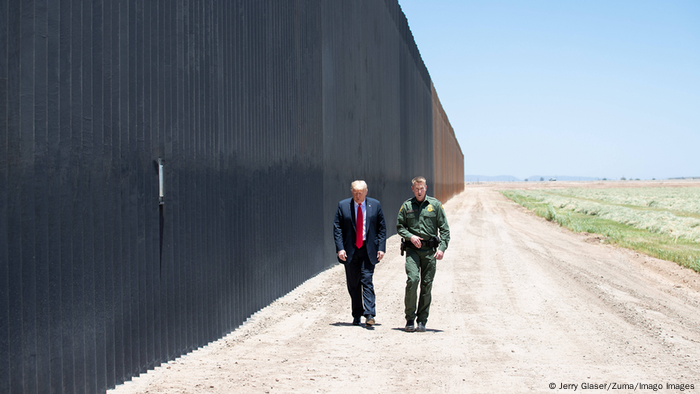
<point x="518" y="304"/>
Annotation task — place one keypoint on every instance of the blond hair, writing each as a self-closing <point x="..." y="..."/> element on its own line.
<point x="418" y="179"/>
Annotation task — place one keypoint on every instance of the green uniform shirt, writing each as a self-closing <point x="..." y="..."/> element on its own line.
<point x="423" y="219"/>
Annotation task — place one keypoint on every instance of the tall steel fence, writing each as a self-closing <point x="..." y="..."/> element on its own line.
<point x="448" y="157"/>
<point x="167" y="168"/>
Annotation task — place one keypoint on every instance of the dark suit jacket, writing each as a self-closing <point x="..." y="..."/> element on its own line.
<point x="344" y="229"/>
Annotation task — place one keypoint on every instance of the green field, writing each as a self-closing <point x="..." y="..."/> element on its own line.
<point x="661" y="222"/>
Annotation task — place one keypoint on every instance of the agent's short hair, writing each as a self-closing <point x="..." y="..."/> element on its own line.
<point x="358" y="185"/>
<point x="418" y="179"/>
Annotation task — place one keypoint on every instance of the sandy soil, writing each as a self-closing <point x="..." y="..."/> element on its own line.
<point x="518" y="304"/>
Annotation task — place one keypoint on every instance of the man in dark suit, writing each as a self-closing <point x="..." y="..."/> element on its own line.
<point x="360" y="242"/>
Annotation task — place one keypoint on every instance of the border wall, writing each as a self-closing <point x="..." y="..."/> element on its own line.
<point x="448" y="157"/>
<point x="261" y="113"/>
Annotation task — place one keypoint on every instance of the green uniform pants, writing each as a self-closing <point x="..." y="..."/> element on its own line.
<point x="420" y="269"/>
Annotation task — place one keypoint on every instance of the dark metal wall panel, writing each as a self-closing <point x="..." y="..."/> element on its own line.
<point x="41" y="227"/>
<point x="13" y="218"/>
<point x="261" y="111"/>
<point x="98" y="261"/>
<point x="50" y="191"/>
<point x="4" y="212"/>
<point x="112" y="233"/>
<point x="5" y="372"/>
<point x="27" y="215"/>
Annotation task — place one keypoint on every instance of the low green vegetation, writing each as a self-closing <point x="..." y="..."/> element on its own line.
<point x="667" y="231"/>
<point x="683" y="200"/>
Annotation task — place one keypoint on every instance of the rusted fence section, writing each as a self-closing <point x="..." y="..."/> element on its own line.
<point x="447" y="154"/>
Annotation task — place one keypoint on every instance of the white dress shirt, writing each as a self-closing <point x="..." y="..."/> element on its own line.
<point x="364" y="218"/>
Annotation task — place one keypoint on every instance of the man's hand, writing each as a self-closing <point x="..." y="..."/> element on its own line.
<point x="380" y="254"/>
<point x="342" y="255"/>
<point x="416" y="241"/>
<point x="439" y="254"/>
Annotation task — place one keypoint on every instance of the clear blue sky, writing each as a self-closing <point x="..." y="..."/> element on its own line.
<point x="557" y="87"/>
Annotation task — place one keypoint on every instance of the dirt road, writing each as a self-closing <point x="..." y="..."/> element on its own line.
<point x="518" y="304"/>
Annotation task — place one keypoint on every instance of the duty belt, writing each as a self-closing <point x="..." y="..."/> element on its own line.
<point x="431" y="243"/>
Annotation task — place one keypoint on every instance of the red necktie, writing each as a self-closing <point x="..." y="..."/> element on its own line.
<point x="359" y="228"/>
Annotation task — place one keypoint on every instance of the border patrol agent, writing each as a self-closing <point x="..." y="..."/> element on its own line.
<point x="418" y="223"/>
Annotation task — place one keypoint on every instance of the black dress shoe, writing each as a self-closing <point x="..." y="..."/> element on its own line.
<point x="356" y="321"/>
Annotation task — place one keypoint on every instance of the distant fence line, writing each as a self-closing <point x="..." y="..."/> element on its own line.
<point x="260" y="113"/>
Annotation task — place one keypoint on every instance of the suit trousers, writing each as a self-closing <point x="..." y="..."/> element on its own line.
<point x="358" y="274"/>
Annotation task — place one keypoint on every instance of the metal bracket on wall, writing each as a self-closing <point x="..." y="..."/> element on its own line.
<point x="161" y="188"/>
